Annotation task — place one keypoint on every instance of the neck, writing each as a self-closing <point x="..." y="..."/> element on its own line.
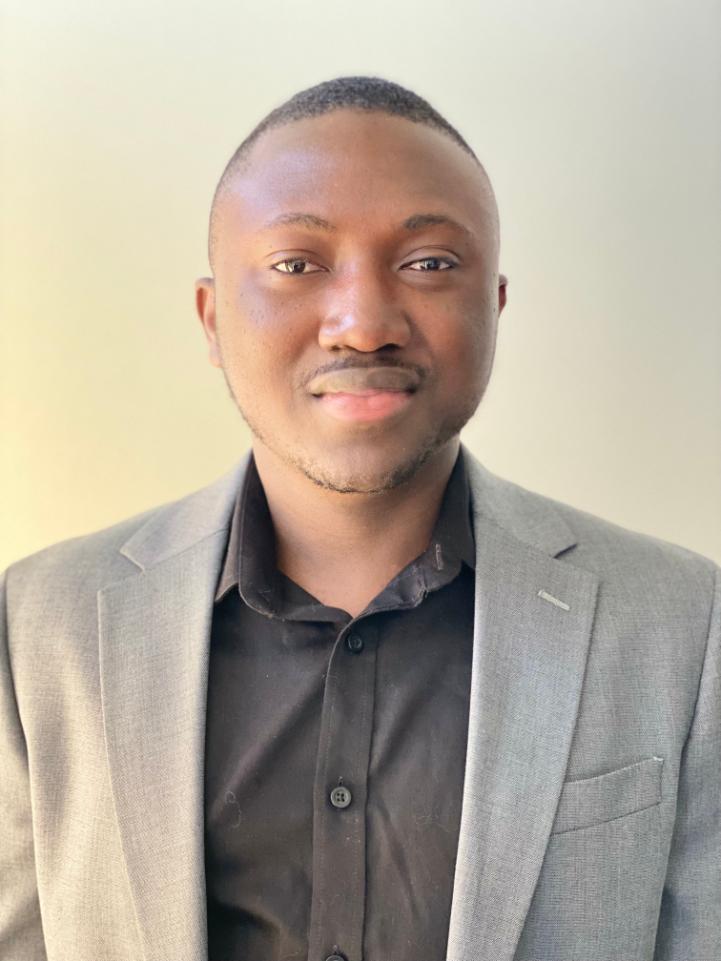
<point x="344" y="548"/>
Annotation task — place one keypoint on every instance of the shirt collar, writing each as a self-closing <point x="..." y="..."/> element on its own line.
<point x="250" y="564"/>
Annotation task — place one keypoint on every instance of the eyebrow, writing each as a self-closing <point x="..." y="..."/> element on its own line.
<point x="304" y="220"/>
<point x="412" y="223"/>
<point x="419" y="221"/>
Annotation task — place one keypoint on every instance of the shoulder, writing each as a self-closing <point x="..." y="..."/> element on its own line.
<point x="602" y="543"/>
<point x="657" y="604"/>
<point x="52" y="593"/>
<point x="612" y="550"/>
<point x="79" y="566"/>
<point x="89" y="558"/>
<point x="644" y="580"/>
<point x="634" y="564"/>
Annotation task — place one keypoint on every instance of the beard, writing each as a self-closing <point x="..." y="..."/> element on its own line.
<point x="353" y="475"/>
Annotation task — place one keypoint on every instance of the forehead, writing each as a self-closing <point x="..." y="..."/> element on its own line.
<point x="351" y="167"/>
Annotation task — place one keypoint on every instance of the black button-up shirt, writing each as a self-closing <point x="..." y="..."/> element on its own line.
<point x="335" y="751"/>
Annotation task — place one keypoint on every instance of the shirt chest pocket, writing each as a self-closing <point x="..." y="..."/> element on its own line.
<point x="595" y="800"/>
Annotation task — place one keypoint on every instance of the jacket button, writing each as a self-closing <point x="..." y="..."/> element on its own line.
<point x="335" y="957"/>
<point x="354" y="643"/>
<point x="340" y="797"/>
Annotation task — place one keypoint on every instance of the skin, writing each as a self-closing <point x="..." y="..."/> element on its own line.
<point x="353" y="501"/>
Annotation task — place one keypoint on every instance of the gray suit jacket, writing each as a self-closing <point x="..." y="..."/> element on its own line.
<point x="591" y="820"/>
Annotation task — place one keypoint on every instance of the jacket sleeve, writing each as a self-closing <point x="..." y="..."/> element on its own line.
<point x="21" y="933"/>
<point x="689" y="926"/>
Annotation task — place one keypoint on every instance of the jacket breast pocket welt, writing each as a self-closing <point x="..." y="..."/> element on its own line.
<point x="595" y="800"/>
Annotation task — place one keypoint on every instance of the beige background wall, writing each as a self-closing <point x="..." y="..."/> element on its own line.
<point x="598" y="122"/>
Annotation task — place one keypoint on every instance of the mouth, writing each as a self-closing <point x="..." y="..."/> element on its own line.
<point x="365" y="406"/>
<point x="365" y="394"/>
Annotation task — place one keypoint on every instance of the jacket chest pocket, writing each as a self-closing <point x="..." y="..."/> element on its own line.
<point x="600" y="882"/>
<point x="595" y="800"/>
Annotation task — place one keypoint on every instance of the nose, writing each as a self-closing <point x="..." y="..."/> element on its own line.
<point x="361" y="313"/>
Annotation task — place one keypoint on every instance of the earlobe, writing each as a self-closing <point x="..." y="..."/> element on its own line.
<point x="205" y="307"/>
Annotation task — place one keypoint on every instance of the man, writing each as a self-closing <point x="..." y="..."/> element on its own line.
<point x="361" y="698"/>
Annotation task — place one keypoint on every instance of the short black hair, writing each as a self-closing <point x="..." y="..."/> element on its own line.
<point x="372" y="94"/>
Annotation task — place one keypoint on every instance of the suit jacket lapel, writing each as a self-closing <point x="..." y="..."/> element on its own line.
<point x="529" y="657"/>
<point x="154" y="629"/>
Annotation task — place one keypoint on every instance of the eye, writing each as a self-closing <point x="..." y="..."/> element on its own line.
<point x="295" y="265"/>
<point x="431" y="264"/>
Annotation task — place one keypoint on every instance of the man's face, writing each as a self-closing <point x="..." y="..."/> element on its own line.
<point x="356" y="295"/>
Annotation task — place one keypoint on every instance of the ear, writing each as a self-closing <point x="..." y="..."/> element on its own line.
<point x="502" y="293"/>
<point x="205" y="306"/>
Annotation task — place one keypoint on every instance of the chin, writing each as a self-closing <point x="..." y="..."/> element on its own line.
<point x="362" y="472"/>
<point x="355" y="465"/>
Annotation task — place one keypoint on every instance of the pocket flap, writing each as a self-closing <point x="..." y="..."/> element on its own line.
<point x="594" y="800"/>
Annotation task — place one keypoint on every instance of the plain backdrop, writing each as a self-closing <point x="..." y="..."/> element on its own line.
<point x="598" y="123"/>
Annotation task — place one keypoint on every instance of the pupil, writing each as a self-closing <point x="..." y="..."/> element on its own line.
<point x="297" y="266"/>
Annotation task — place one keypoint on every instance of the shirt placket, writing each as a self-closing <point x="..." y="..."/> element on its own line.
<point x="340" y="796"/>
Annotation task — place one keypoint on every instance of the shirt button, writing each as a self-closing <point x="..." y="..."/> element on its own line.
<point x="354" y="643"/>
<point x="340" y="797"/>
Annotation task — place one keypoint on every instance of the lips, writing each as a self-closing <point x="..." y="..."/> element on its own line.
<point x="365" y="394"/>
<point x="369" y="406"/>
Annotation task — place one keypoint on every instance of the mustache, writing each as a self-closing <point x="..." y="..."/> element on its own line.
<point x="375" y="374"/>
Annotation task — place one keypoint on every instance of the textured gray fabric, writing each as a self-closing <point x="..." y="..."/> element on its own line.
<point x="591" y="821"/>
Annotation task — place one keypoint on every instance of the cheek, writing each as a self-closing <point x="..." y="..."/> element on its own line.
<point x="465" y="341"/>
<point x="480" y="317"/>
<point x="256" y="336"/>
